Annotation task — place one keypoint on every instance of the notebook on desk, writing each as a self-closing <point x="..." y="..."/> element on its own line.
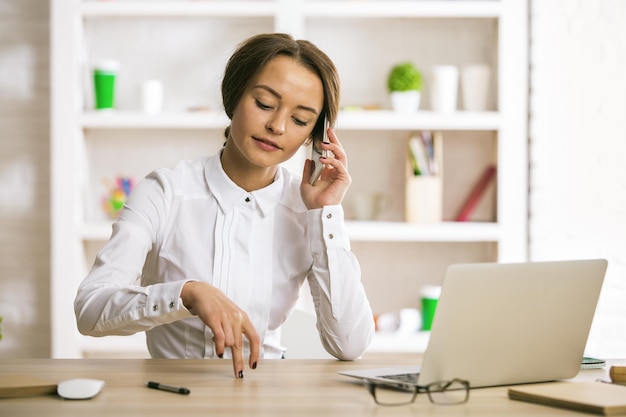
<point x="504" y="324"/>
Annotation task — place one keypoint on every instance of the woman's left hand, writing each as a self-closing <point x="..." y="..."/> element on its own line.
<point x="335" y="180"/>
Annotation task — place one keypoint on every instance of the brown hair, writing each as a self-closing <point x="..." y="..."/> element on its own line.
<point x="253" y="54"/>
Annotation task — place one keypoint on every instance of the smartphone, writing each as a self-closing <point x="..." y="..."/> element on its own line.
<point x="316" y="153"/>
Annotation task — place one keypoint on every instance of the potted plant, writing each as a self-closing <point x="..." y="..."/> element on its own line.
<point x="405" y="84"/>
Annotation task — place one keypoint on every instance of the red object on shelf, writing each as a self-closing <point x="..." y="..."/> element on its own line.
<point x="476" y="194"/>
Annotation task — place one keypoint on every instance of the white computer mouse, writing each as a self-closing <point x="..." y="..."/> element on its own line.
<point x="79" y="388"/>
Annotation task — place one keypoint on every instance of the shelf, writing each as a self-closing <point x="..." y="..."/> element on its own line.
<point x="135" y="345"/>
<point x="421" y="120"/>
<point x="94" y="9"/>
<point x="96" y="231"/>
<point x="330" y="9"/>
<point x="114" y="346"/>
<point x="348" y="120"/>
<point x="403" y="9"/>
<point x="436" y="232"/>
<point x="372" y="231"/>
<point x="398" y="342"/>
<point x="137" y="120"/>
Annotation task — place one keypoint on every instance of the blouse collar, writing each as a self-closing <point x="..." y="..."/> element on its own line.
<point x="229" y="195"/>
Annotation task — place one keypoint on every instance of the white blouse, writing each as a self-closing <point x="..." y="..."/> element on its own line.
<point x="193" y="223"/>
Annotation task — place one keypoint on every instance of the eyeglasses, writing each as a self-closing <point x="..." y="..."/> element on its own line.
<point x="455" y="391"/>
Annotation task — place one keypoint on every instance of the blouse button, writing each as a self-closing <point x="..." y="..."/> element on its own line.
<point x="330" y="236"/>
<point x="329" y="216"/>
<point x="155" y="307"/>
<point x="247" y="199"/>
<point x="171" y="305"/>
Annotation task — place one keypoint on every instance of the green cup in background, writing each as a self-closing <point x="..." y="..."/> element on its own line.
<point x="430" y="296"/>
<point x="104" y="76"/>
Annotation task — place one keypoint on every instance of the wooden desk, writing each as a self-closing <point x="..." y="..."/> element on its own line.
<point x="288" y="388"/>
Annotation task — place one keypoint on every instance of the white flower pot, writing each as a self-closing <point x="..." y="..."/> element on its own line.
<point x="405" y="101"/>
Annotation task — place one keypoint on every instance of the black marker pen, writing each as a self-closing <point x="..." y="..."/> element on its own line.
<point x="163" y="387"/>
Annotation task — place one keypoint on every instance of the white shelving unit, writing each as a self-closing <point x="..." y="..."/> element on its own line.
<point x="83" y="141"/>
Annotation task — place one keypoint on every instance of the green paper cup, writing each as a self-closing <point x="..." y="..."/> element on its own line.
<point x="104" y="76"/>
<point x="430" y="297"/>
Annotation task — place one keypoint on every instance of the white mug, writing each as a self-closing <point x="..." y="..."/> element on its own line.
<point x="475" y="87"/>
<point x="445" y="84"/>
<point x="151" y="96"/>
<point x="410" y="320"/>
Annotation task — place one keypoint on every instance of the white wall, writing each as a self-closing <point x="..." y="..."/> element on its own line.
<point x="24" y="187"/>
<point x="578" y="146"/>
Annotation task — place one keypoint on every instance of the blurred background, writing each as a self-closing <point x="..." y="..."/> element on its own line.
<point x="571" y="187"/>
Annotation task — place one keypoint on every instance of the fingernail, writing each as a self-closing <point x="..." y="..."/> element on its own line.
<point x="220" y="355"/>
<point x="254" y="365"/>
<point x="240" y="374"/>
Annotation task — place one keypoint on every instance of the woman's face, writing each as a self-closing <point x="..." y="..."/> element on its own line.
<point x="277" y="113"/>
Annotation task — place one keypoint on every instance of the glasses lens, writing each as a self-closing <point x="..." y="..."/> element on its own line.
<point x="391" y="395"/>
<point x="455" y="391"/>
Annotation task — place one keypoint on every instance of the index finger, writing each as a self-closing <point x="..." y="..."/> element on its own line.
<point x="337" y="148"/>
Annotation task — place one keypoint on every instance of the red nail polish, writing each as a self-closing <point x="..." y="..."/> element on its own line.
<point x="254" y="365"/>
<point x="240" y="374"/>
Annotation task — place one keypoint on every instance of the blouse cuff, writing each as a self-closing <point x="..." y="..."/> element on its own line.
<point x="164" y="302"/>
<point x="327" y="229"/>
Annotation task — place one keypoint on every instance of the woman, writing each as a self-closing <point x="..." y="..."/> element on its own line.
<point x="211" y="254"/>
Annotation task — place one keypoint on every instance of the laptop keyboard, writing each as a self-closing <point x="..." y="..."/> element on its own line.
<point x="410" y="378"/>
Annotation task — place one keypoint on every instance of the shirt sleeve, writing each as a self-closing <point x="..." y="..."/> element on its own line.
<point x="344" y="315"/>
<point x="110" y="300"/>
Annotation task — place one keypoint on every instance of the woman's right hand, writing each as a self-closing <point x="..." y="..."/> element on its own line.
<point x="227" y="321"/>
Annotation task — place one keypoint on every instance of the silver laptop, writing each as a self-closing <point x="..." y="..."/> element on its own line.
<point x="503" y="324"/>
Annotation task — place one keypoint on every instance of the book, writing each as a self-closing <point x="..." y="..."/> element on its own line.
<point x="423" y="154"/>
<point x="418" y="156"/>
<point x="591" y="397"/>
<point x="477" y="192"/>
<point x="589" y="362"/>
<point x="25" y="386"/>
